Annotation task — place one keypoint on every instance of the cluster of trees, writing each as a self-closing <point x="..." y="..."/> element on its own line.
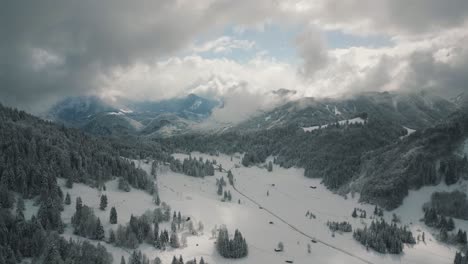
<point x="58" y="250"/>
<point x="193" y="167"/>
<point x="359" y="212"/>
<point x="453" y="237"/>
<point x="254" y="157"/>
<point x="384" y="237"/>
<point x="85" y="223"/>
<point x="231" y="248"/>
<point x="227" y="196"/>
<point x="139" y="258"/>
<point x="461" y="258"/>
<point x="20" y="238"/>
<point x="340" y="226"/>
<point x="378" y="211"/>
<point x="453" y="168"/>
<point x="135" y="232"/>
<point x="180" y="260"/>
<point x="146" y="229"/>
<point x="221" y="183"/>
<point x="433" y="219"/>
<point x="449" y="204"/>
<point x="388" y="173"/>
<point x="36" y="152"/>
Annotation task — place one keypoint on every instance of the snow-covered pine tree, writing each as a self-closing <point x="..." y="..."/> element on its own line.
<point x="113" y="216"/>
<point x="67" y="199"/>
<point x="103" y="203"/>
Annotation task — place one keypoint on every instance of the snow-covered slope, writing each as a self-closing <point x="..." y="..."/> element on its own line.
<point x="290" y="197"/>
<point x="357" y="120"/>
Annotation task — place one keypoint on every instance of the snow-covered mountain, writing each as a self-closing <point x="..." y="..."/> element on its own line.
<point x="152" y="118"/>
<point x="414" y="111"/>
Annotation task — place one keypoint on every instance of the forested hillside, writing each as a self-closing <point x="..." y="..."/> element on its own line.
<point x="376" y="158"/>
<point x="33" y="154"/>
<point x="333" y="153"/>
<point x="423" y="158"/>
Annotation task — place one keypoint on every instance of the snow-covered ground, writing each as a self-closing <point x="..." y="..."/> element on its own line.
<point x="409" y="132"/>
<point x="356" y="120"/>
<point x="290" y="197"/>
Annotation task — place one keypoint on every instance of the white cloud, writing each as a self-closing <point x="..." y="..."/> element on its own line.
<point x="224" y="44"/>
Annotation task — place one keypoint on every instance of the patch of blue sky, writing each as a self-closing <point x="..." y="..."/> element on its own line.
<point x="277" y="42"/>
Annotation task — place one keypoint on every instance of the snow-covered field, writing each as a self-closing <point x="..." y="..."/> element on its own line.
<point x="290" y="197"/>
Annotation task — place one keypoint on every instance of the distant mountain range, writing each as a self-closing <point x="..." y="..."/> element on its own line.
<point x="152" y="118"/>
<point x="182" y="115"/>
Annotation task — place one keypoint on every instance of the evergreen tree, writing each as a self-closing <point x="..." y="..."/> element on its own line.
<point x="157" y="200"/>
<point x="230" y="177"/>
<point x="122" y="260"/>
<point x="135" y="258"/>
<point x="111" y="236"/>
<point x="99" y="231"/>
<point x="354" y="214"/>
<point x="67" y="199"/>
<point x="113" y="216"/>
<point x="53" y="256"/>
<point x="69" y="182"/>
<point x="458" y="258"/>
<point x="103" y="203"/>
<point x="450" y="224"/>
<point x="220" y="189"/>
<point x="174" y="240"/>
<point x="202" y="261"/>
<point x="78" y="204"/>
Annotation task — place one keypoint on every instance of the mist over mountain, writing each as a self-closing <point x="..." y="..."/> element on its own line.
<point x="96" y="116"/>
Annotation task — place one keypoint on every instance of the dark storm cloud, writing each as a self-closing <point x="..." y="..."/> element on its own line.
<point x="53" y="47"/>
<point x="396" y="16"/>
<point x="447" y="79"/>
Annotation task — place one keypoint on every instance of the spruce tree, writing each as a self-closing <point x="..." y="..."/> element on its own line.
<point x="111" y="236"/>
<point x="69" y="182"/>
<point x="78" y="204"/>
<point x="174" y="240"/>
<point x="53" y="256"/>
<point x="99" y="230"/>
<point x="67" y="199"/>
<point x="103" y="203"/>
<point x="113" y="216"/>
<point x="122" y="260"/>
<point x="157" y="200"/>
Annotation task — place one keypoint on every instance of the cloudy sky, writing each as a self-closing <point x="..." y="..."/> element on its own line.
<point x="157" y="49"/>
